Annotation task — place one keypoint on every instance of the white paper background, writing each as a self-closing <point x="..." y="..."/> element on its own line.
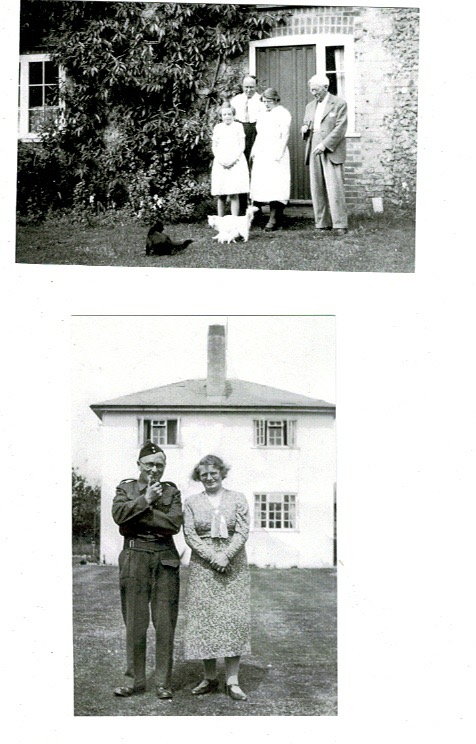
<point x="406" y="445"/>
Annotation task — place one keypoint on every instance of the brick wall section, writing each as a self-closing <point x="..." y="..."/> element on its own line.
<point x="322" y="20"/>
<point x="382" y="161"/>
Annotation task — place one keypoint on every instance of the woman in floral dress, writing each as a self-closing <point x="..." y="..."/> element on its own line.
<point x="216" y="527"/>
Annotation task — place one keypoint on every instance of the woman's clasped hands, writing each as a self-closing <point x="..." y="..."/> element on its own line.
<point x="220" y="563"/>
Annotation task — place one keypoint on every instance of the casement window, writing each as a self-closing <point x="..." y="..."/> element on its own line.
<point x="275" y="511"/>
<point x="274" y="432"/>
<point x="335" y="70"/>
<point x="38" y="94"/>
<point x="161" y="431"/>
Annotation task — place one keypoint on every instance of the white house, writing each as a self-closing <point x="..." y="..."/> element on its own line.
<point x="280" y="446"/>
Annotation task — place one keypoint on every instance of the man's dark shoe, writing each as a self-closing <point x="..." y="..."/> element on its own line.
<point x="128" y="691"/>
<point x="163" y="693"/>
<point x="340" y="230"/>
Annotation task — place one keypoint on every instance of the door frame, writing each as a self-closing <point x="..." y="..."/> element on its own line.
<point x="319" y="41"/>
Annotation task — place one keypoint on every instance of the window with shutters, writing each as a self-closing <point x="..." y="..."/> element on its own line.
<point x="162" y="431"/>
<point x="274" y="432"/>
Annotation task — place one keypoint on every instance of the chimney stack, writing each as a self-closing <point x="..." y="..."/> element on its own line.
<point x="216" y="373"/>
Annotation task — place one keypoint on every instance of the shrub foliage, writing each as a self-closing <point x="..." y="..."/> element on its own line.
<point x="142" y="84"/>
<point x="86" y="508"/>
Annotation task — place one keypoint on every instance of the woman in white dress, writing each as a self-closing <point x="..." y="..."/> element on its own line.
<point x="230" y="175"/>
<point x="271" y="171"/>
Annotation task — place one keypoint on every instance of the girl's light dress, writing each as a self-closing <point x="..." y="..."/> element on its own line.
<point x="228" y="145"/>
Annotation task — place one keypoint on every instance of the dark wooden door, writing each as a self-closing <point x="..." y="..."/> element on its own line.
<point x="288" y="69"/>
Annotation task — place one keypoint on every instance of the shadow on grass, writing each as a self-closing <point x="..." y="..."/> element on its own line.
<point x="292" y="669"/>
<point x="376" y="243"/>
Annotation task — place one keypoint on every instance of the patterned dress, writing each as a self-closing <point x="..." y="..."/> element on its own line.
<point x="218" y="604"/>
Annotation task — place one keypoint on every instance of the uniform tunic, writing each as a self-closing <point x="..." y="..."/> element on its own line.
<point x="271" y="178"/>
<point x="229" y="145"/>
<point x="218" y="604"/>
<point x="148" y="575"/>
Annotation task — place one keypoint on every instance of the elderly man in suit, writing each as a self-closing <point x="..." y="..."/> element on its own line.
<point x="325" y="125"/>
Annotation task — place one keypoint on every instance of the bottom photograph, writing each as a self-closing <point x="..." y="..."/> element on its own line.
<point x="204" y="515"/>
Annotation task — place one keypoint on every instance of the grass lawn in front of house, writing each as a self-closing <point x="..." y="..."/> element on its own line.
<point x="292" y="669"/>
<point x="377" y="243"/>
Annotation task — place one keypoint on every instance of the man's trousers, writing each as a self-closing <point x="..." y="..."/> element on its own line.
<point x="148" y="588"/>
<point x="327" y="191"/>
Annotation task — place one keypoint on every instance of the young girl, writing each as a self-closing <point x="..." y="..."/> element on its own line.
<point x="230" y="175"/>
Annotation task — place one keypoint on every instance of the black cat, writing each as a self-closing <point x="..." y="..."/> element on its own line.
<point x="160" y="244"/>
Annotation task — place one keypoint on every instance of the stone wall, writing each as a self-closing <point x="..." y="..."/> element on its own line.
<point x="386" y="57"/>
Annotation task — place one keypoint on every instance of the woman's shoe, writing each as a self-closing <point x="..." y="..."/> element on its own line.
<point x="235" y="692"/>
<point x="205" y="686"/>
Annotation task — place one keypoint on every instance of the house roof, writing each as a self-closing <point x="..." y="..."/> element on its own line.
<point x="192" y="395"/>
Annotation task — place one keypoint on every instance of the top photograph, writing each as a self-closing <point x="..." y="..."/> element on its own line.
<point x="231" y="136"/>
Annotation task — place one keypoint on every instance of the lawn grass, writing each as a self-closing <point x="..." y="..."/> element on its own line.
<point x="292" y="669"/>
<point x="376" y="243"/>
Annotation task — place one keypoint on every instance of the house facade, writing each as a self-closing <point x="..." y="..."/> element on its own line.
<point x="371" y="58"/>
<point x="370" y="55"/>
<point x="280" y="446"/>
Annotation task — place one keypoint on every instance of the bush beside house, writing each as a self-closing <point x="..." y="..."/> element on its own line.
<point x="139" y="103"/>
<point x="140" y="96"/>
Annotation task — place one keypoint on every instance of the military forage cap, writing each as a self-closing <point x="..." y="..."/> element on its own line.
<point x="149" y="448"/>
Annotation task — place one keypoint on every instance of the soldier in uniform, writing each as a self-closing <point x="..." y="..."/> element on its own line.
<point x="148" y="512"/>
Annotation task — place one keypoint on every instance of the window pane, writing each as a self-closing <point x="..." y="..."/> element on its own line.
<point x="275" y="433"/>
<point x="335" y="69"/>
<point x="51" y="95"/>
<point x="35" y="120"/>
<point x="36" y="96"/>
<point x="36" y="73"/>
<point x="172" y="431"/>
<point x="51" y="73"/>
<point x="158" y="432"/>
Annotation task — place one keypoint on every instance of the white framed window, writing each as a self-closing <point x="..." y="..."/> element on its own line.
<point x="39" y="100"/>
<point x="334" y="54"/>
<point x="275" y="511"/>
<point x="163" y="431"/>
<point x="274" y="432"/>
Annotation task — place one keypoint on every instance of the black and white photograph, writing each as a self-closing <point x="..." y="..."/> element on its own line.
<point x="237" y="284"/>
<point x="210" y="588"/>
<point x="218" y="135"/>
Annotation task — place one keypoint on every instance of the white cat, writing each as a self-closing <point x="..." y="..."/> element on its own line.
<point x="230" y="227"/>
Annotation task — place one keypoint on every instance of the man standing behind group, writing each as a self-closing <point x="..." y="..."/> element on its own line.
<point x="248" y="106"/>
<point x="325" y="125"/>
<point x="148" y="512"/>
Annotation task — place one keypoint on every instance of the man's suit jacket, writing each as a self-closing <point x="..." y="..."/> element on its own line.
<point x="331" y="131"/>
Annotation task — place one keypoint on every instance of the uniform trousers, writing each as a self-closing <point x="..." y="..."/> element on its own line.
<point x="148" y="588"/>
<point x="327" y="191"/>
